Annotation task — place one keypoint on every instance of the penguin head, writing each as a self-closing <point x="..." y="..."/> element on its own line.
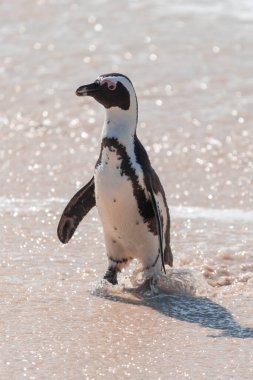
<point x="110" y="90"/>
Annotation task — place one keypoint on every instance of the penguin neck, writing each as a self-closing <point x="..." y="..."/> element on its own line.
<point x="121" y="124"/>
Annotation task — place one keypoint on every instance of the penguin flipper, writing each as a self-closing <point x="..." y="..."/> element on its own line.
<point x="158" y="222"/>
<point x="81" y="203"/>
<point x="154" y="186"/>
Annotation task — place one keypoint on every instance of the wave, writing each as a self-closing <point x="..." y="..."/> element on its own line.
<point x="242" y="10"/>
<point x="178" y="212"/>
<point x="221" y="215"/>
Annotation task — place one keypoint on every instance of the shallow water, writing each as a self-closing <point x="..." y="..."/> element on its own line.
<point x="191" y="64"/>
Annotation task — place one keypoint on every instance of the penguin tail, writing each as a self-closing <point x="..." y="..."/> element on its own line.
<point x="168" y="257"/>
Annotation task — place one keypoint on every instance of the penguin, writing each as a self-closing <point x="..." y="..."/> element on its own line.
<point x="126" y="190"/>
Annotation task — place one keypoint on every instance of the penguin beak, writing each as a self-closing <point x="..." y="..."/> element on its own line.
<point x="88" y="89"/>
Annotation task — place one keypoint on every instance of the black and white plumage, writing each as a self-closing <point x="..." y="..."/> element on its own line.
<point x="125" y="188"/>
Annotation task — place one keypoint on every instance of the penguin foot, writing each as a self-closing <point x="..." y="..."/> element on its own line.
<point x="153" y="281"/>
<point x="148" y="286"/>
<point x="111" y="275"/>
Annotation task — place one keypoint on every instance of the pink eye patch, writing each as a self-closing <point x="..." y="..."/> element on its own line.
<point x="110" y="84"/>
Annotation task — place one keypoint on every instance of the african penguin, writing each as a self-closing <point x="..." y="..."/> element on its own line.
<point x="125" y="188"/>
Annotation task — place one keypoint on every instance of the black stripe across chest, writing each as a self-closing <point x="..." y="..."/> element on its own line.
<point x="126" y="169"/>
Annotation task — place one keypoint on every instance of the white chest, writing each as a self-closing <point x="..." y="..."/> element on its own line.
<point x="115" y="200"/>
<point x="111" y="183"/>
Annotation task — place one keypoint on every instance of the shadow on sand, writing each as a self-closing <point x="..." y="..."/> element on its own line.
<point x="199" y="310"/>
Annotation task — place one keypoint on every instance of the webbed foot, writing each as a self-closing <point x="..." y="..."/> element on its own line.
<point x="111" y="275"/>
<point x="148" y="286"/>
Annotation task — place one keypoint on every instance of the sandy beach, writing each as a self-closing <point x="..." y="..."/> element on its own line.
<point x="191" y="65"/>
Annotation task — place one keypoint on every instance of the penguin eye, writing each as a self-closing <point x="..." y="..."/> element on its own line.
<point x="110" y="84"/>
<point x="112" y="87"/>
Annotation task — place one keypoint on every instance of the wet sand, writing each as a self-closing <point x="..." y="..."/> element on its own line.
<point x="191" y="64"/>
